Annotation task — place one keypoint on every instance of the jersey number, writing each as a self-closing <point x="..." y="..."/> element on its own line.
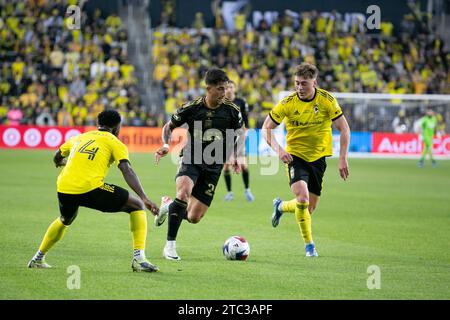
<point x="210" y="191"/>
<point x="91" y="152"/>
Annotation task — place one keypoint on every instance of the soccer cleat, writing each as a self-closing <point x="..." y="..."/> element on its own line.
<point x="420" y="164"/>
<point x="40" y="264"/>
<point x="171" y="253"/>
<point x="143" y="266"/>
<point x="276" y="215"/>
<point x="434" y="163"/>
<point x="311" y="250"/>
<point x="163" y="211"/>
<point x="229" y="196"/>
<point x="249" y="195"/>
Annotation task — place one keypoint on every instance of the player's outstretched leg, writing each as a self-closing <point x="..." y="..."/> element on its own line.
<point x="54" y="233"/>
<point x="277" y="213"/>
<point x="138" y="227"/>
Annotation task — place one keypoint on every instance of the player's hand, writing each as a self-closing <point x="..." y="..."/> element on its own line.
<point x="150" y="205"/>
<point x="284" y="156"/>
<point x="343" y="168"/>
<point x="161" y="152"/>
<point x="238" y="163"/>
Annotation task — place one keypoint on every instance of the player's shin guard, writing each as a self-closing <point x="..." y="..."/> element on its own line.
<point x="177" y="212"/>
<point x="303" y="218"/>
<point x="138" y="227"/>
<point x="54" y="233"/>
<point x="289" y="206"/>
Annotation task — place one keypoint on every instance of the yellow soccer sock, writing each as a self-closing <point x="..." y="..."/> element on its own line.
<point x="289" y="206"/>
<point x="304" y="220"/>
<point x="54" y="233"/>
<point x="138" y="226"/>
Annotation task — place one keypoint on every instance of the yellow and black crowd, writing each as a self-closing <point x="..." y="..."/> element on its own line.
<point x="52" y="75"/>
<point x="259" y="59"/>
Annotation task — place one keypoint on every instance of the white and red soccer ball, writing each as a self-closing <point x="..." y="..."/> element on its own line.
<point x="236" y="248"/>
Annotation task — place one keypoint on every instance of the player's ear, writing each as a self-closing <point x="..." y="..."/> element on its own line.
<point x="116" y="130"/>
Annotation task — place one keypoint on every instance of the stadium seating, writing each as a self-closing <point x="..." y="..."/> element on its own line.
<point x="52" y="75"/>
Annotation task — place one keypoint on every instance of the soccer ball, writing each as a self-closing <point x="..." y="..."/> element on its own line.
<point x="236" y="248"/>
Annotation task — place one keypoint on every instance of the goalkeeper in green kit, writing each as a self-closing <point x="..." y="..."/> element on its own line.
<point x="427" y="129"/>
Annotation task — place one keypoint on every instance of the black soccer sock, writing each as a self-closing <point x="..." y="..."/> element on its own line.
<point x="177" y="212"/>
<point x="227" y="176"/>
<point x="245" y="174"/>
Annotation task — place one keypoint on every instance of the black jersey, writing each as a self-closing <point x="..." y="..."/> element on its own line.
<point x="243" y="105"/>
<point x="212" y="132"/>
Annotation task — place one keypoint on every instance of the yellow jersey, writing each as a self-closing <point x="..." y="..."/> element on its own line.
<point x="308" y="124"/>
<point x="89" y="157"/>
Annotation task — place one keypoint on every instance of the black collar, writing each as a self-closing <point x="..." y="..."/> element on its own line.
<point x="314" y="96"/>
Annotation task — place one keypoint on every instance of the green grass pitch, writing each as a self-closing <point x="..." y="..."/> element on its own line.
<point x="389" y="214"/>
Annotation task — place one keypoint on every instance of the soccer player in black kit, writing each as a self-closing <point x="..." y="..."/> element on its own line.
<point x="215" y="133"/>
<point x="230" y="94"/>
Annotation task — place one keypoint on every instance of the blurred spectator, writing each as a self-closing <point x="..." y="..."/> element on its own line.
<point x="45" y="118"/>
<point x="401" y="123"/>
<point x="14" y="116"/>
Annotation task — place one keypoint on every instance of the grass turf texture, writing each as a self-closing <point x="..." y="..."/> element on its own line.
<point x="390" y="214"/>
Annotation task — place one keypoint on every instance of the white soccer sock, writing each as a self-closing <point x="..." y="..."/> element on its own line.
<point x="171" y="244"/>
<point x="139" y="255"/>
<point x="280" y="207"/>
<point x="39" y="256"/>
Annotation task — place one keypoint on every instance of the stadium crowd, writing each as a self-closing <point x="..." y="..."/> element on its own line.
<point x="51" y="75"/>
<point x="258" y="59"/>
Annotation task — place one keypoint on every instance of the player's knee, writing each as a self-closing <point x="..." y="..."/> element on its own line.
<point x="311" y="208"/>
<point x="194" y="216"/>
<point x="67" y="221"/>
<point x="227" y="171"/>
<point x="140" y="204"/>
<point x="194" y="220"/>
<point x="183" y="195"/>
<point x="302" y="197"/>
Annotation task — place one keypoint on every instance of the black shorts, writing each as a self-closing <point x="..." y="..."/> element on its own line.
<point x="310" y="172"/>
<point x="205" y="179"/>
<point x="107" y="198"/>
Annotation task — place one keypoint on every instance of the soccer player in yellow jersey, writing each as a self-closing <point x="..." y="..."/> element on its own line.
<point x="308" y="114"/>
<point x="86" y="159"/>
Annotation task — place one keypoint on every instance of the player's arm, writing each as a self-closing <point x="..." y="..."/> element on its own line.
<point x="268" y="135"/>
<point x="166" y="134"/>
<point x="179" y="118"/>
<point x="133" y="181"/>
<point x="58" y="159"/>
<point x="342" y="125"/>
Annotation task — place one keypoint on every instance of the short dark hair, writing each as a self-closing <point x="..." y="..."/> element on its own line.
<point x="109" y="118"/>
<point x="307" y="71"/>
<point x="215" y="76"/>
